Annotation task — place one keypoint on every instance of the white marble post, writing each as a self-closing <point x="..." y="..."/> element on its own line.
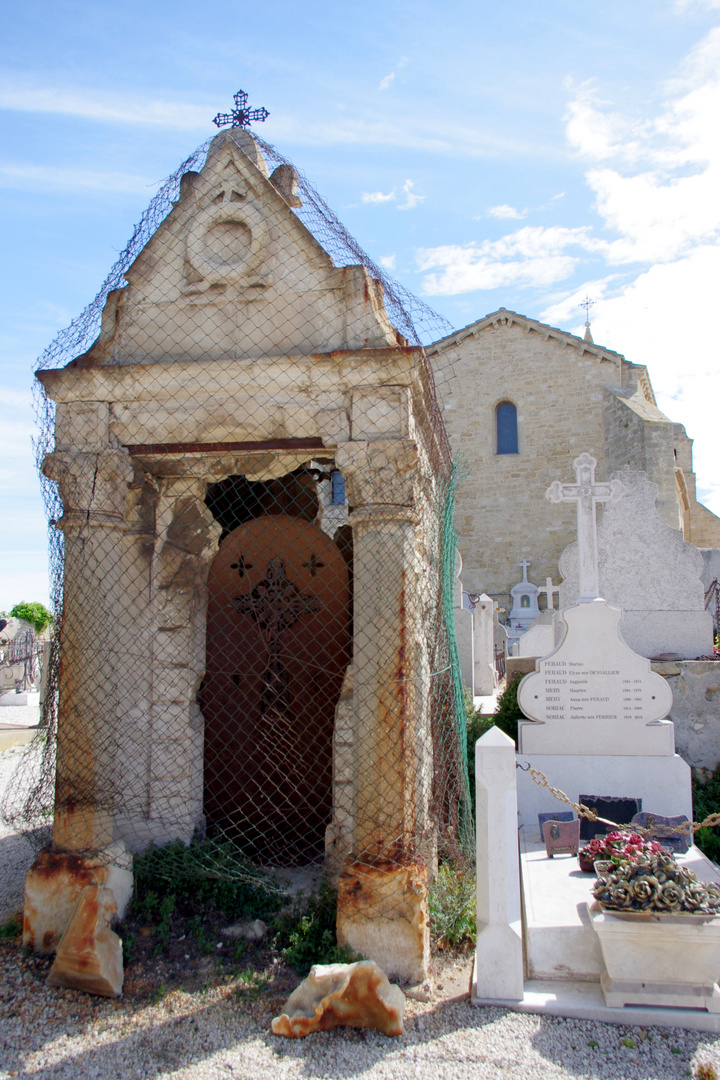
<point x="498" y="974"/>
<point x="484" y="638"/>
<point x="464" y="630"/>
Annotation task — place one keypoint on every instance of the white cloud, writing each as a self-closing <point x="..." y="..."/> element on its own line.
<point x="411" y="199"/>
<point x="506" y="211"/>
<point x="377" y="196"/>
<point x="387" y="262"/>
<point x="101" y="106"/>
<point x="531" y="256"/>
<point x="684" y="5"/>
<point x="24" y="176"/>
<point x="388" y="80"/>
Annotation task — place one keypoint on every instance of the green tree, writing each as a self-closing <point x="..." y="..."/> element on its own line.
<point x="36" y="614"/>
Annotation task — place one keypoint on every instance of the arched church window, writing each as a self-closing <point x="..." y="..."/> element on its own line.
<point x="506" y="428"/>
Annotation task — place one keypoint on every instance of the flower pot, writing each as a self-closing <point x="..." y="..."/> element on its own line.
<point x="657" y="959"/>
<point x="586" y="861"/>
<point x="603" y="866"/>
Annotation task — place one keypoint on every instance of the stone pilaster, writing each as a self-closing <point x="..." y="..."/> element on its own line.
<point x="382" y="904"/>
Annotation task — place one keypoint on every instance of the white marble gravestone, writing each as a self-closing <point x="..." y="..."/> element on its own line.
<point x="597" y="710"/>
<point x="594" y="695"/>
<point x="647" y="569"/>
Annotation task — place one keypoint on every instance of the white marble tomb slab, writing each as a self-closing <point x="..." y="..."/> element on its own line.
<point x="593" y="695"/>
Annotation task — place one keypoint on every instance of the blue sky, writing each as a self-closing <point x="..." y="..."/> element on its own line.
<point x="517" y="155"/>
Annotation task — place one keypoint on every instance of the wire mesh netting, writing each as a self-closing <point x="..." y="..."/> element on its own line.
<point x="250" y="490"/>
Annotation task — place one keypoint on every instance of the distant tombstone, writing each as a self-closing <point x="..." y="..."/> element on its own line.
<point x="646" y="568"/>
<point x="549" y="592"/>
<point x="561" y="837"/>
<point x="539" y="639"/>
<point x="525" y="607"/>
<point x="559" y="815"/>
<point x="666" y="830"/>
<point x="615" y="808"/>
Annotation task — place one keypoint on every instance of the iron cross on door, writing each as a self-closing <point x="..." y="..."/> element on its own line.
<point x="275" y="604"/>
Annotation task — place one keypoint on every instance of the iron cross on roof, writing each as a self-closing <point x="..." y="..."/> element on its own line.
<point x="587" y="303"/>
<point x="240" y="116"/>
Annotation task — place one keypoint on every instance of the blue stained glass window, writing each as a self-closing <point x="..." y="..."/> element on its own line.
<point x="338" y="488"/>
<point x="507" y="429"/>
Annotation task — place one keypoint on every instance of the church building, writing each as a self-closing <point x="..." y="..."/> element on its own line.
<point x="524" y="400"/>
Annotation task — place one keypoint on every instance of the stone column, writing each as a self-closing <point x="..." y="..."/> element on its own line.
<point x="93" y="488"/>
<point x="498" y="974"/>
<point x="383" y="886"/>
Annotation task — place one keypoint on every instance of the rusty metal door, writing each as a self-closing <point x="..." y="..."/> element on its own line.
<point x="278" y="644"/>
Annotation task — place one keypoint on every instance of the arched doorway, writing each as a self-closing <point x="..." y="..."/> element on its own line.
<point x="278" y="644"/>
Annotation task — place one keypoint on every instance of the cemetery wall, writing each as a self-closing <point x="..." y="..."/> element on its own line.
<point x="695" y="685"/>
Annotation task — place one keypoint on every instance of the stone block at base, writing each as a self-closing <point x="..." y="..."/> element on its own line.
<point x="89" y="956"/>
<point x="663" y="783"/>
<point x="53" y="886"/>
<point x="382" y="914"/>
<point x="585" y="1001"/>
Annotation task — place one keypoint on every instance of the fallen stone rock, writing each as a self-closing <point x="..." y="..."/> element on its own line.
<point x="342" y="995"/>
<point x="89" y="956"/>
<point x="254" y="930"/>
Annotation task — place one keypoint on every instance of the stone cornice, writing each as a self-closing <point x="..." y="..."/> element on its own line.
<point x="503" y="317"/>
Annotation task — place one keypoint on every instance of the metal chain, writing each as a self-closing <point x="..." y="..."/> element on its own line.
<point x="587" y="812"/>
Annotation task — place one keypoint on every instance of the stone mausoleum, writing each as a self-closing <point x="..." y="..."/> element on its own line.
<point x="252" y="470"/>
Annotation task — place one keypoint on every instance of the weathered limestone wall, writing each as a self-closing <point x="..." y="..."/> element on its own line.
<point x="502" y="515"/>
<point x="639" y="435"/>
<point x="696" y="709"/>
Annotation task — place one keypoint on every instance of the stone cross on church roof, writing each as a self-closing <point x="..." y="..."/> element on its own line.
<point x="586" y="493"/>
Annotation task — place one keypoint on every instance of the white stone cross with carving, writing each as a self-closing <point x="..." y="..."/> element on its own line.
<point x="549" y="591"/>
<point x="586" y="493"/>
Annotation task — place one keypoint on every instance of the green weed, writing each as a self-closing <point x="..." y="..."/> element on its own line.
<point x="452" y="907"/>
<point x="251" y="985"/>
<point x="10" y="929"/>
<point x="305" y="932"/>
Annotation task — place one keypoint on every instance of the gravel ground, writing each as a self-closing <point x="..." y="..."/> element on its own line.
<point x="222" y="1030"/>
<point x="213" y="1033"/>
